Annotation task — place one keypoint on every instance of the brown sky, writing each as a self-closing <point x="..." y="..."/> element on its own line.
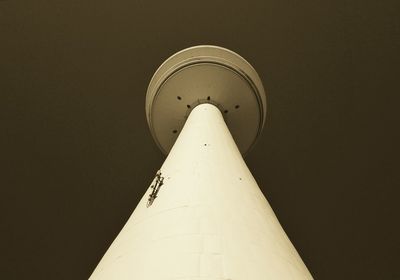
<point x="77" y="155"/>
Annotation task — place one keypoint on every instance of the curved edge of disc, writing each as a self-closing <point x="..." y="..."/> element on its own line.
<point x="205" y="54"/>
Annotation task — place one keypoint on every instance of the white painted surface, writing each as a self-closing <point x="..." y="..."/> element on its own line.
<point x="209" y="221"/>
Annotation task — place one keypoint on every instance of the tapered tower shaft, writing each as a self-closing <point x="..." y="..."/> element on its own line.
<point x="209" y="219"/>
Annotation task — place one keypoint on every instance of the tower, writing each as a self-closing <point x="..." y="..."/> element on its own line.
<point x="203" y="216"/>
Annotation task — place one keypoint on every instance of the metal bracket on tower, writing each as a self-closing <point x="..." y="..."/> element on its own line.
<point x="159" y="181"/>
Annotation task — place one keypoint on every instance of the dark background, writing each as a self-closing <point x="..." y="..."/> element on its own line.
<point x="77" y="155"/>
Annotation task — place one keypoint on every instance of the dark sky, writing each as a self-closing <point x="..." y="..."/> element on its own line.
<point x="77" y="155"/>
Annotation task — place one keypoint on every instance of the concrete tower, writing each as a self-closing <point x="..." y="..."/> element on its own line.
<point x="203" y="216"/>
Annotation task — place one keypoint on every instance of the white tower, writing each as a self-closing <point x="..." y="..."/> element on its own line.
<point x="203" y="217"/>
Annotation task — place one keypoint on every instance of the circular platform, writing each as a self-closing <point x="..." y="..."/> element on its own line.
<point x="206" y="74"/>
